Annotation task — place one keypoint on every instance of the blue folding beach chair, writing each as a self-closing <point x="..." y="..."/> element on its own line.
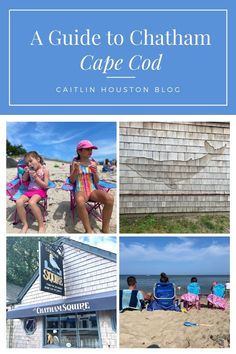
<point x="164" y="294"/>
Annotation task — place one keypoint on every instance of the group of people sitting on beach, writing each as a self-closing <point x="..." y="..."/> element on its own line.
<point x="109" y="166"/>
<point x="164" y="296"/>
<point x="84" y="176"/>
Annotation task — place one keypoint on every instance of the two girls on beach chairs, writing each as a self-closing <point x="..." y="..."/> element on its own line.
<point x="84" y="175"/>
<point x="215" y="299"/>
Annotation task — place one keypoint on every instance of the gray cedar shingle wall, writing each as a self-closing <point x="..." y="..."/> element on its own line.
<point x="154" y="175"/>
<point x="108" y="336"/>
<point x="84" y="274"/>
<point x="17" y="338"/>
<point x="21" y="340"/>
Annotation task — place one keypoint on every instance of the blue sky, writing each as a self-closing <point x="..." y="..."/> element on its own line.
<point x="107" y="243"/>
<point x="174" y="255"/>
<point x="58" y="140"/>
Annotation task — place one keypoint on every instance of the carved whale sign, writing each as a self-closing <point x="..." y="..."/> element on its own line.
<point x="172" y="172"/>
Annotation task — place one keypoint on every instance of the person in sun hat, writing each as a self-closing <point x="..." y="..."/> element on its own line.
<point x="85" y="176"/>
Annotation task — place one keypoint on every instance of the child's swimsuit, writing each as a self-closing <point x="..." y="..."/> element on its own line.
<point x="84" y="181"/>
<point x="34" y="188"/>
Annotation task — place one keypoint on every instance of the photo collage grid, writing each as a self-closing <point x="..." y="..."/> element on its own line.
<point x="115" y="229"/>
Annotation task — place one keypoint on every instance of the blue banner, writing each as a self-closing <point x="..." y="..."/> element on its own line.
<point x="116" y="60"/>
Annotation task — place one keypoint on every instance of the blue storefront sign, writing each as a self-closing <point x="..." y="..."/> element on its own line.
<point x="51" y="269"/>
<point x="97" y="302"/>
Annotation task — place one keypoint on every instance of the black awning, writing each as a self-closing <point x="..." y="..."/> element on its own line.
<point x="81" y="304"/>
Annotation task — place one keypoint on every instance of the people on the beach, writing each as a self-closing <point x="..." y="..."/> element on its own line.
<point x="212" y="286"/>
<point x="217" y="296"/>
<point x="37" y="174"/>
<point x="106" y="166"/>
<point x="132" y="298"/>
<point x="164" y="296"/>
<point x="192" y="297"/>
<point x="227" y="288"/>
<point x="85" y="175"/>
<point x="164" y="278"/>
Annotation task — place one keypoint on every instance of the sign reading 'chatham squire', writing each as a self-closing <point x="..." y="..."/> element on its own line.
<point x="50" y="270"/>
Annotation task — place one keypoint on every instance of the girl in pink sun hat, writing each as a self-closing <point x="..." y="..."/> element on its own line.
<point x="85" y="176"/>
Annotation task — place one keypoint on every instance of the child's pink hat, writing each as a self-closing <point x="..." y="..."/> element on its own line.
<point x="85" y="144"/>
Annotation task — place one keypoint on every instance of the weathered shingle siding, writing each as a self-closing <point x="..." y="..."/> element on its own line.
<point x="84" y="274"/>
<point x="20" y="339"/>
<point x="206" y="191"/>
<point x="107" y="333"/>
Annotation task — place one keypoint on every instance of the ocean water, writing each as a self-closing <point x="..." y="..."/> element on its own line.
<point x="146" y="282"/>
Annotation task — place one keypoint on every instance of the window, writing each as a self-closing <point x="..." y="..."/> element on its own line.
<point x="30" y="325"/>
<point x="113" y="320"/>
<point x="72" y="331"/>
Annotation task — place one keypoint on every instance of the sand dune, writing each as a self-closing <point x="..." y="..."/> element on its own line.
<point x="166" y="330"/>
<point x="59" y="219"/>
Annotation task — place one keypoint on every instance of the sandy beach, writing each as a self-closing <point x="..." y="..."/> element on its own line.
<point x="166" y="330"/>
<point x="59" y="218"/>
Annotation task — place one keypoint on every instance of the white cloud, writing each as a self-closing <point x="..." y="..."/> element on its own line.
<point x="46" y="134"/>
<point x="42" y="133"/>
<point x="16" y="132"/>
<point x="107" y="243"/>
<point x="184" y="250"/>
<point x="105" y="148"/>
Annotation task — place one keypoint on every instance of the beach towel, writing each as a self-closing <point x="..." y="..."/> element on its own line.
<point x="191" y="298"/>
<point x="131" y="299"/>
<point x="218" y="302"/>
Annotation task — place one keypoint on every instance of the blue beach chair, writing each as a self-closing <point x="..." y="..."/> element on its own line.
<point x="192" y="297"/>
<point x="217" y="298"/>
<point x="164" y="294"/>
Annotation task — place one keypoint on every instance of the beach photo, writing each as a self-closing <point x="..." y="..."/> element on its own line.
<point x="61" y="177"/>
<point x="61" y="292"/>
<point x="174" y="292"/>
<point x="174" y="177"/>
